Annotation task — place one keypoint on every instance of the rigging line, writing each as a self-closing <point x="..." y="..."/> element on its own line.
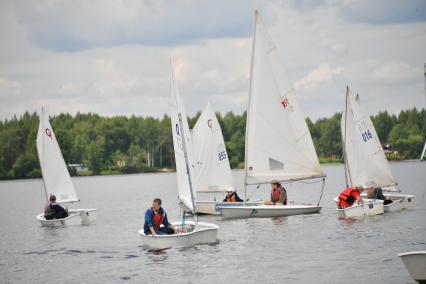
<point x="322" y="191"/>
<point x="257" y="187"/>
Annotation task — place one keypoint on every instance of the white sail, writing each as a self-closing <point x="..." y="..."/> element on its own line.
<point x="278" y="143"/>
<point x="56" y="177"/>
<point x="212" y="170"/>
<point x="182" y="147"/>
<point x="365" y="161"/>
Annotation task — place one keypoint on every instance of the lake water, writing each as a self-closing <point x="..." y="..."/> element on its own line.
<point x="318" y="248"/>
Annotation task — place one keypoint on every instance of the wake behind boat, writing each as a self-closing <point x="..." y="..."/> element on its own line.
<point x="56" y="178"/>
<point x="193" y="232"/>
<point x="279" y="146"/>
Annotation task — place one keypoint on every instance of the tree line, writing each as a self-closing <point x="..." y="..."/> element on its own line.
<point x="121" y="144"/>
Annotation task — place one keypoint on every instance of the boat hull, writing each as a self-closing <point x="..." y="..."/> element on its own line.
<point x="75" y="217"/>
<point x="204" y="233"/>
<point x="415" y="262"/>
<point x="407" y="199"/>
<point x="212" y="207"/>
<point x="370" y="207"/>
<point x="265" y="211"/>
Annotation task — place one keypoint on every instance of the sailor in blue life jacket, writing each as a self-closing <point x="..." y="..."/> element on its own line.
<point x="154" y="218"/>
<point x="52" y="210"/>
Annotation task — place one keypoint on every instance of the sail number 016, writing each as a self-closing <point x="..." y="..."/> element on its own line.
<point x="366" y="135"/>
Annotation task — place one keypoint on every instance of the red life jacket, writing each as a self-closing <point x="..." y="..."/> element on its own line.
<point x="231" y="198"/>
<point x="157" y="220"/>
<point x="275" y="195"/>
<point x="346" y="198"/>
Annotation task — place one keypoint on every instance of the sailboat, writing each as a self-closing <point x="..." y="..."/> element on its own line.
<point x="415" y="263"/>
<point x="278" y="146"/>
<point x="193" y="232"/>
<point x="212" y="170"/>
<point x="56" y="178"/>
<point x="365" y="162"/>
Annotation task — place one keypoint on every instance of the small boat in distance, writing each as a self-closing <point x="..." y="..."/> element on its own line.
<point x="56" y="178"/>
<point x="415" y="263"/>
<point x="193" y="232"/>
<point x="279" y="146"/>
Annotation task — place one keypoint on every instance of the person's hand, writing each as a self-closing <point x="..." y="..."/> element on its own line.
<point x="361" y="201"/>
<point x="154" y="234"/>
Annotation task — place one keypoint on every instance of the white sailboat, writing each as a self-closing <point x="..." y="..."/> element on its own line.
<point x="365" y="161"/>
<point x="56" y="178"/>
<point x="415" y="262"/>
<point x="195" y="232"/>
<point x="212" y="170"/>
<point x="278" y="143"/>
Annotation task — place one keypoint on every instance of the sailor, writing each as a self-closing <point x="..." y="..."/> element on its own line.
<point x="155" y="217"/>
<point x="232" y="196"/>
<point x="377" y="193"/>
<point x="52" y="210"/>
<point x="348" y="197"/>
<point x="278" y="194"/>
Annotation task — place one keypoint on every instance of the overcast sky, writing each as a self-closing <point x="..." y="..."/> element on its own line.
<point x="112" y="57"/>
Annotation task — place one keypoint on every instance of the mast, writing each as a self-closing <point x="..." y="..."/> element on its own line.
<point x="186" y="162"/>
<point x="42" y="154"/>
<point x="256" y="13"/>
<point x="347" y="173"/>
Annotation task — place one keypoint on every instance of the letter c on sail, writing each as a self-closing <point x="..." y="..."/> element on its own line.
<point x="48" y="132"/>
<point x="177" y="129"/>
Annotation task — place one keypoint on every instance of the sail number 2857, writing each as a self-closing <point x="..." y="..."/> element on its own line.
<point x="366" y="135"/>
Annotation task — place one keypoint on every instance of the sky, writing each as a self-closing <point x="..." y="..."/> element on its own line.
<point x="111" y="57"/>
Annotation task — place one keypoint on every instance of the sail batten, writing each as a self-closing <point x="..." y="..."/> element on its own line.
<point x="365" y="161"/>
<point x="56" y="178"/>
<point x="278" y="142"/>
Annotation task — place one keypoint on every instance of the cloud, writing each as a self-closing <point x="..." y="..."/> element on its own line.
<point x="80" y="24"/>
<point x="396" y="72"/>
<point x="323" y="74"/>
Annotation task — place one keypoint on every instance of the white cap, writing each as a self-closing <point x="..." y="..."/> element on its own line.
<point x="230" y="189"/>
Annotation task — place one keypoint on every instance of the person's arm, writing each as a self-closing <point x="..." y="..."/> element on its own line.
<point x="224" y="200"/>
<point x="166" y="222"/>
<point x="357" y="197"/>
<point x="148" y="221"/>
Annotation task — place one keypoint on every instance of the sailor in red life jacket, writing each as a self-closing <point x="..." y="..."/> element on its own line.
<point x="232" y="196"/>
<point x="278" y="195"/>
<point x="348" y="197"/>
<point x="155" y="217"/>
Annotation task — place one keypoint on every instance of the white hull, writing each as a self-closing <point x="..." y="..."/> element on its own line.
<point x="415" y="262"/>
<point x="212" y="207"/>
<point x="400" y="201"/>
<point x="264" y="211"/>
<point x="75" y="217"/>
<point x="204" y="233"/>
<point x="370" y="207"/>
<point x="407" y="199"/>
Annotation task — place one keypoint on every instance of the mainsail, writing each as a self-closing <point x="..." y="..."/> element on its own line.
<point x="212" y="170"/>
<point x="365" y="161"/>
<point x="182" y="147"/>
<point x="57" y="180"/>
<point x="278" y="143"/>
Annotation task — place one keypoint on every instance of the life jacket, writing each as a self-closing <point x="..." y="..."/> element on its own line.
<point x="346" y="198"/>
<point x="157" y="219"/>
<point x="231" y="198"/>
<point x="48" y="210"/>
<point x="275" y="195"/>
